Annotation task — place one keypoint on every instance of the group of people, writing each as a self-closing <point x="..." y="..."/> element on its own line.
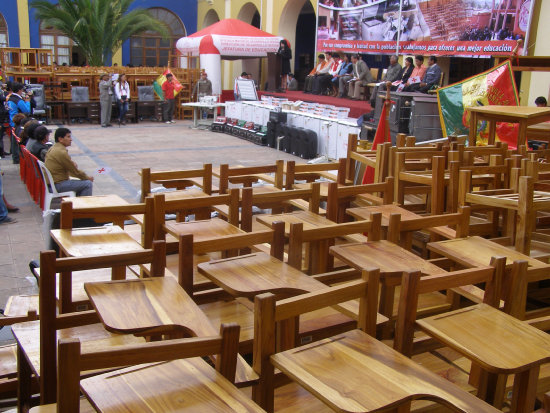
<point x="345" y="76"/>
<point x="116" y="87"/>
<point x="35" y="137"/>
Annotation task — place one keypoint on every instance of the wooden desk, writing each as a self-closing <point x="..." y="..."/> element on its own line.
<point x="91" y="110"/>
<point x="154" y="305"/>
<point x="345" y="372"/>
<point x="323" y="188"/>
<point x="202" y="230"/>
<point x="189" y="385"/>
<point x="498" y="342"/>
<point x="309" y="219"/>
<point x="79" y="242"/>
<point x="524" y="115"/>
<point x="539" y="132"/>
<point x="184" y="194"/>
<point x="94" y="201"/>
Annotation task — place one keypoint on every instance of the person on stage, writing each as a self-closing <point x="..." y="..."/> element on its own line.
<point x="286" y="54"/>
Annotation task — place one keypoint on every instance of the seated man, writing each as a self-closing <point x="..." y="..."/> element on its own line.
<point x="61" y="166"/>
<point x="431" y="78"/>
<point x="323" y="76"/>
<point x="392" y="74"/>
<point x="317" y="69"/>
<point x="292" y="82"/>
<point x="361" y="77"/>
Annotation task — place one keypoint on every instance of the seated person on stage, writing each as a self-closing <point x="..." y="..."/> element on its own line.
<point x="292" y="82"/>
<point x="361" y="77"/>
<point x="322" y="80"/>
<point x="392" y="74"/>
<point x="431" y="78"/>
<point x="404" y="75"/>
<point x="541" y="102"/>
<point x="40" y="144"/>
<point x="322" y="63"/>
<point x="344" y="69"/>
<point x="203" y="87"/>
<point x="61" y="166"/>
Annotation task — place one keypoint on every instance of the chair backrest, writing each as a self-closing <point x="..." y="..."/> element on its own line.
<point x="39" y="96"/>
<point x="496" y="287"/>
<point x="374" y="72"/>
<point x="312" y="172"/>
<point x="340" y="196"/>
<point x="47" y="176"/>
<point x="146" y="93"/>
<point x="245" y="175"/>
<point x="80" y="94"/>
<point x="72" y="360"/>
<point x="285" y="313"/>
<point x="50" y="321"/>
<point x="298" y="237"/>
<point x="177" y="178"/>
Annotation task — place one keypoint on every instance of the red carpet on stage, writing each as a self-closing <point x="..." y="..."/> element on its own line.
<point x="357" y="107"/>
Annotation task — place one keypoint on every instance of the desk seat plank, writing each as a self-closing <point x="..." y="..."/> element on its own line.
<point x="202" y="230"/>
<point x="189" y="385"/>
<point x="353" y="372"/>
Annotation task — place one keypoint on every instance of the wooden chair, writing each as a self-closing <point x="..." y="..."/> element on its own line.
<point x="198" y="385"/>
<point x="522" y="351"/>
<point x="313" y="172"/>
<point x="181" y="179"/>
<point x="36" y="341"/>
<point x="353" y="364"/>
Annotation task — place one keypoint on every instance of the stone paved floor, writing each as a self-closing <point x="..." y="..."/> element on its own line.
<point x="123" y="151"/>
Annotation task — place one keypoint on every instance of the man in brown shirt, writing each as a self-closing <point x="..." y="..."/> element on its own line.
<point x="61" y="166"/>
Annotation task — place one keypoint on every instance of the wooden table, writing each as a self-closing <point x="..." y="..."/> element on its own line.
<point x="347" y="370"/>
<point x="197" y="106"/>
<point x="188" y="385"/>
<point x="524" y="115"/>
<point x="202" y="230"/>
<point x="539" y="132"/>
<point x="94" y="201"/>
<point x="499" y="343"/>
<point x="153" y="305"/>
<point x="364" y="213"/>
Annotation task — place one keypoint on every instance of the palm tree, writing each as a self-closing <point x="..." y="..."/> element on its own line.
<point x="98" y="27"/>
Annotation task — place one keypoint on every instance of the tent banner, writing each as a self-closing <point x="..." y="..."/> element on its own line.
<point x="496" y="86"/>
<point x="157" y="84"/>
<point x="458" y="28"/>
<point x="246" y="45"/>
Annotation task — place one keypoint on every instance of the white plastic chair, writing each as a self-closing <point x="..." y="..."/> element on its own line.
<point x="49" y="190"/>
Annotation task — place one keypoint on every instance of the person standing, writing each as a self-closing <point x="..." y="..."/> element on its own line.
<point x="17" y="104"/>
<point x="62" y="167"/>
<point x="4" y="218"/>
<point x="168" y="88"/>
<point x="286" y="54"/>
<point x="203" y="87"/>
<point x="122" y="91"/>
<point x="105" y="99"/>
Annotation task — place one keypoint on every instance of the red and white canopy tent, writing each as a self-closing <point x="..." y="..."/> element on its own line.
<point x="228" y="39"/>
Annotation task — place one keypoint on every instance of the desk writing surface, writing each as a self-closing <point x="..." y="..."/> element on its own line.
<point x="79" y="242"/>
<point x="189" y="385"/>
<point x="389" y="257"/>
<point x="95" y="201"/>
<point x="514" y="345"/>
<point x="202" y="229"/>
<point x="520" y="112"/>
<point x="134" y="306"/>
<point x="309" y="219"/>
<point x="184" y="194"/>
<point x="253" y="274"/>
<point x="477" y="252"/>
<point x="364" y="213"/>
<point x="353" y="372"/>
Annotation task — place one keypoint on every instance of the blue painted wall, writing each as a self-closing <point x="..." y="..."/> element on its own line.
<point x="8" y="8"/>
<point x="185" y="9"/>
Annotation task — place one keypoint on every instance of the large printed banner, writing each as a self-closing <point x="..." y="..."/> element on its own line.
<point x="451" y="28"/>
<point x="493" y="87"/>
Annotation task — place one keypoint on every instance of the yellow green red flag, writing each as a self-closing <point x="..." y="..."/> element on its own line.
<point x="157" y="84"/>
<point x="496" y="86"/>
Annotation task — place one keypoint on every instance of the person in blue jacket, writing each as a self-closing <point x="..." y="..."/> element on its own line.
<point x="17" y="102"/>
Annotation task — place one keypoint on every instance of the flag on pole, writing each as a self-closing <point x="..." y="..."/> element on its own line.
<point x="382" y="135"/>
<point x="496" y="86"/>
<point x="157" y="84"/>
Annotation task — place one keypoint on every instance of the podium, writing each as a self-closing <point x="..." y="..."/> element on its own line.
<point x="273" y="72"/>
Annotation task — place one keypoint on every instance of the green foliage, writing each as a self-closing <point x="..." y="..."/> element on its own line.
<point x="98" y="27"/>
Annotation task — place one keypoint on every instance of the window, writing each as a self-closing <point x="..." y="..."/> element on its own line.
<point x="149" y="48"/>
<point x="60" y="44"/>
<point x="3" y="32"/>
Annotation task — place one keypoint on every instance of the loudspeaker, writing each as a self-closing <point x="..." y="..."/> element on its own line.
<point x="309" y="144"/>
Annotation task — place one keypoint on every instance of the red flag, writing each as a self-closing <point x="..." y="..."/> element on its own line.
<point x="382" y="135"/>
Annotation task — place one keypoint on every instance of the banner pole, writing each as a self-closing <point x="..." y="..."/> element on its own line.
<point x="316" y="32"/>
<point x="399" y="27"/>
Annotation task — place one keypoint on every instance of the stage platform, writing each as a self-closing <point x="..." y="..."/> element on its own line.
<point x="357" y="107"/>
